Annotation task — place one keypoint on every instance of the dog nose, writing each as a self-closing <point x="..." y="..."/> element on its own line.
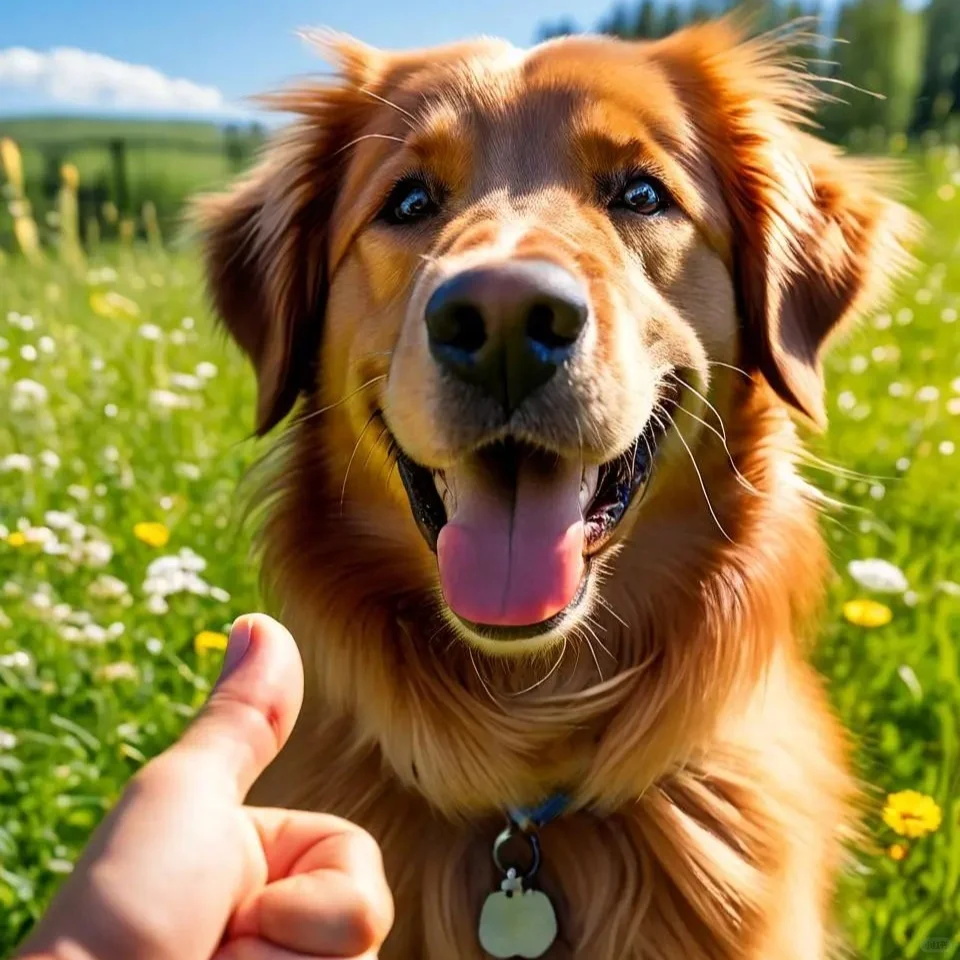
<point x="507" y="328"/>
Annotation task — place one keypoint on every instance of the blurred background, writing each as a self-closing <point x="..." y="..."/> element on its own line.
<point x="125" y="419"/>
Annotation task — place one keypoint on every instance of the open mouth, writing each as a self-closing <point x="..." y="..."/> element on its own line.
<point x="515" y="528"/>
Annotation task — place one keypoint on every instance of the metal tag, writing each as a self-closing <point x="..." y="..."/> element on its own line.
<point x="517" y="923"/>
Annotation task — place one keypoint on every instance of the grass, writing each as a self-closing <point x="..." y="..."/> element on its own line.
<point x="95" y="676"/>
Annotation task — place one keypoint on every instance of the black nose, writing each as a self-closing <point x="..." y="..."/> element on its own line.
<point x="507" y="328"/>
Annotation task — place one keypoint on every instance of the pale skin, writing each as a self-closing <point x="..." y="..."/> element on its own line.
<point x="182" y="870"/>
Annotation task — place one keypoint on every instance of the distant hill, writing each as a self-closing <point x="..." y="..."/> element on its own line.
<point x="126" y="162"/>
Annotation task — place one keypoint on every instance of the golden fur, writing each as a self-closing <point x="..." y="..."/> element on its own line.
<point x="709" y="777"/>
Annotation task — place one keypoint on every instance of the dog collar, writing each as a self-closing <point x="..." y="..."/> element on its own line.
<point x="528" y="819"/>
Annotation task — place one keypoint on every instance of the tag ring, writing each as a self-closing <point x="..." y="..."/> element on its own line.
<point x="533" y="842"/>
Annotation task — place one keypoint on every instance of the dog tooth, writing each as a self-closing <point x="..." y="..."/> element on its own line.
<point x="588" y="485"/>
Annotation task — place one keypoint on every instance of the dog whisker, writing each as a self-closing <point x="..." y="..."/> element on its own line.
<point x="409" y="118"/>
<point x="356" y="447"/>
<point x="730" y="366"/>
<point x="342" y="400"/>
<point x="483" y="682"/>
<point x="613" y="613"/>
<point x="367" y="136"/>
<point x="546" y="677"/>
<point x="703" y="486"/>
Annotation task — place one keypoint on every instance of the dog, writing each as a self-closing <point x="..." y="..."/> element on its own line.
<point x="548" y="319"/>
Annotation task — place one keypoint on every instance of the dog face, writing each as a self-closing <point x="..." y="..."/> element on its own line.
<point x="524" y="280"/>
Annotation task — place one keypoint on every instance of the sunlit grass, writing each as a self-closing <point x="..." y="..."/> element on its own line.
<point x="122" y="564"/>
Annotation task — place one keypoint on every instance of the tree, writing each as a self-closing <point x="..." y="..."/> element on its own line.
<point x="940" y="86"/>
<point x="645" y="23"/>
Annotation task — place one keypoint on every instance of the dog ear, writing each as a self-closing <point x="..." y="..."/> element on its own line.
<point x="265" y="242"/>
<point x="820" y="244"/>
<point x="816" y="237"/>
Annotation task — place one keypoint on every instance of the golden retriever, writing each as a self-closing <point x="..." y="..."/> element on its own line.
<point x="536" y="523"/>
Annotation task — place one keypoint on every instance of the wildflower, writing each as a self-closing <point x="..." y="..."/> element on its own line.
<point x="27" y="394"/>
<point x="949" y="587"/>
<point x="113" y="306"/>
<point x="911" y="598"/>
<point x="93" y="553"/>
<point x="896" y="389"/>
<point x="110" y="410"/>
<point x="49" y="460"/>
<point x="897" y="851"/>
<point x="167" y="400"/>
<point x="189" y="471"/>
<point x="949" y="315"/>
<point x="911" y="814"/>
<point x="947" y="448"/>
<point x="903" y="464"/>
<point x="7" y="740"/>
<point x="16" y="463"/>
<point x="219" y="594"/>
<point x="154" y="645"/>
<point x="18" y="660"/>
<point x="867" y="613"/>
<point x="28" y="352"/>
<point x="209" y="640"/>
<point x="157" y="605"/>
<point x="121" y="670"/>
<point x="59" y="865"/>
<point x="846" y="401"/>
<point x="207" y="371"/>
<point x="178" y="338"/>
<point x="47" y="345"/>
<point x="16" y="539"/>
<point x="150" y="331"/>
<point x="858" y="364"/>
<point x="106" y="587"/>
<point x="187" y="323"/>
<point x="78" y="492"/>
<point x="953" y="406"/>
<point x="878" y="575"/>
<point x="186" y="381"/>
<point x="151" y="533"/>
<point x="904" y="317"/>
<point x="928" y="394"/>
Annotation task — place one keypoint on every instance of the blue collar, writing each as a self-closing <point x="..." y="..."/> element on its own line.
<point x="529" y="819"/>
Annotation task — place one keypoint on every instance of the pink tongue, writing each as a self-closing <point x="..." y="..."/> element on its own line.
<point x="512" y="557"/>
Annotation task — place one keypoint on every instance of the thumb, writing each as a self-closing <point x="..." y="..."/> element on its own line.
<point x="254" y="704"/>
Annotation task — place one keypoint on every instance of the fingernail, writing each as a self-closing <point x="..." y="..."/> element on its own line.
<point x="237" y="647"/>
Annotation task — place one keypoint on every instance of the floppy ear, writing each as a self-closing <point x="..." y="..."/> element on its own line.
<point x="265" y="242"/>
<point x="817" y="238"/>
<point x="823" y="244"/>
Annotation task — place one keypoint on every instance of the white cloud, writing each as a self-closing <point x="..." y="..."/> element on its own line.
<point x="80" y="78"/>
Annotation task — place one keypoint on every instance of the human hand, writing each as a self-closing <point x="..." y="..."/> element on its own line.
<point x="182" y="870"/>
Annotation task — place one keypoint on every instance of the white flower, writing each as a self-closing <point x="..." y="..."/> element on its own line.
<point x="4" y="344"/>
<point x="911" y="598"/>
<point x="191" y="561"/>
<point x="16" y="463"/>
<point x="896" y="389"/>
<point x="27" y="394"/>
<point x="178" y="338"/>
<point x="878" y="575"/>
<point x="40" y="600"/>
<point x="121" y="670"/>
<point x="878" y="491"/>
<point x="947" y="447"/>
<point x="97" y="364"/>
<point x="186" y="381"/>
<point x="903" y="464"/>
<point x="111" y="454"/>
<point x="846" y="400"/>
<point x="110" y="410"/>
<point x="883" y="321"/>
<point x="7" y="740"/>
<point x="47" y="345"/>
<point x="18" y="660"/>
<point x="49" y="460"/>
<point x="150" y="331"/>
<point x="93" y="633"/>
<point x="949" y="315"/>
<point x="928" y="394"/>
<point x="28" y="352"/>
<point x="904" y="317"/>
<point x="59" y="519"/>
<point x="78" y="492"/>
<point x="187" y="323"/>
<point x="858" y="364"/>
<point x="154" y="646"/>
<point x="206" y="370"/>
<point x="168" y="400"/>
<point x="93" y="553"/>
<point x="949" y="587"/>
<point x="106" y="587"/>
<point x="59" y="865"/>
<point x="219" y="594"/>
<point x="189" y="471"/>
<point x="115" y="630"/>
<point x="157" y="605"/>
<point x="61" y="611"/>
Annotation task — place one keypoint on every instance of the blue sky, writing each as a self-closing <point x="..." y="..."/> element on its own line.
<point x="78" y="55"/>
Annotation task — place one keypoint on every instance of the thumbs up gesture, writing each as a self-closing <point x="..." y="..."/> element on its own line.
<point x="182" y="870"/>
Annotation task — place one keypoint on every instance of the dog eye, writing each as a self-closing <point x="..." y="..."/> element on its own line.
<point x="409" y="201"/>
<point x="643" y="195"/>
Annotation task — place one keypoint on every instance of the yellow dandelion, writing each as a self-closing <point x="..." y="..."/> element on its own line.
<point x="897" y="851"/>
<point x="151" y="533"/>
<point x="207" y="640"/>
<point x="911" y="814"/>
<point x="16" y="539"/>
<point x="867" y="613"/>
<point x="113" y="305"/>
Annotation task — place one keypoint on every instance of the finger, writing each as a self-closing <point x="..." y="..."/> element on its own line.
<point x="254" y="704"/>
<point x="252" y="949"/>
<point x="326" y="891"/>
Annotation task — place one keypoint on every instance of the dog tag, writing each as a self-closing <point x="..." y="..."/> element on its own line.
<point x="517" y="923"/>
